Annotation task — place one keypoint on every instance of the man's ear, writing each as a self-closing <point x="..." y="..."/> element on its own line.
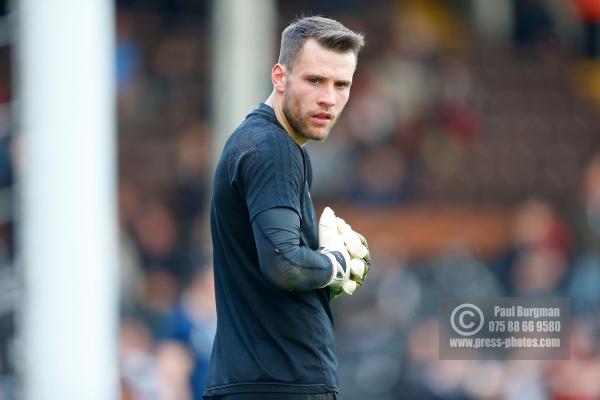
<point x="278" y="77"/>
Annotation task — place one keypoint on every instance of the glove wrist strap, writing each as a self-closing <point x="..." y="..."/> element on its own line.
<point x="337" y="266"/>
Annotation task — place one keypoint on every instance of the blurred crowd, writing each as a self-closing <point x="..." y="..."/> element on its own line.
<point x="437" y="117"/>
<point x="388" y="336"/>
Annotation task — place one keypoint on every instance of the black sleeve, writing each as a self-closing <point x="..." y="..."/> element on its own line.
<point x="283" y="260"/>
<point x="270" y="174"/>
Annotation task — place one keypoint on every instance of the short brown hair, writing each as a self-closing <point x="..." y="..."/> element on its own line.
<point x="328" y="32"/>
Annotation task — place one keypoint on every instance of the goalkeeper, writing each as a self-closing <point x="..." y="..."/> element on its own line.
<point x="275" y="268"/>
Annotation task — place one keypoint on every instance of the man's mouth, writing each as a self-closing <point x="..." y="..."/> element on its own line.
<point x="322" y="118"/>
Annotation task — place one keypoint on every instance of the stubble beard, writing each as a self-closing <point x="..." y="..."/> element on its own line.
<point x="294" y="117"/>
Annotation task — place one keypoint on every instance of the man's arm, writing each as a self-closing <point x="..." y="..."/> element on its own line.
<point x="283" y="260"/>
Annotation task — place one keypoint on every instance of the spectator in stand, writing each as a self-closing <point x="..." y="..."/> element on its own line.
<point x="585" y="281"/>
<point x="589" y="14"/>
<point x="542" y="247"/>
<point x="156" y="233"/>
<point x="138" y="369"/>
<point x="190" y="192"/>
<point x="587" y="215"/>
<point x="577" y="377"/>
<point x="533" y="26"/>
<point x="186" y="343"/>
<point x="165" y="265"/>
<point x="127" y="58"/>
<point x="382" y="179"/>
<point x="538" y="259"/>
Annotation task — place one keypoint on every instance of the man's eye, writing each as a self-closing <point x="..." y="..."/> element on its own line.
<point x="314" y="80"/>
<point x="341" y="85"/>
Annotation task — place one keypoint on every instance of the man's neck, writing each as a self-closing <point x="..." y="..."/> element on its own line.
<point x="275" y="103"/>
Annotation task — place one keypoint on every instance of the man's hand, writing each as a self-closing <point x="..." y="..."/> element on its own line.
<point x="347" y="250"/>
<point x="332" y="245"/>
<point x="358" y="248"/>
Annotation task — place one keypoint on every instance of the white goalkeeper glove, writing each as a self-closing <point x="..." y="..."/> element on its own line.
<point x="331" y="244"/>
<point x="347" y="251"/>
<point x="358" y="248"/>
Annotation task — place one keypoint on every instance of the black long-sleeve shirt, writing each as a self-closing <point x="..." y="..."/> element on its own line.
<point x="268" y="340"/>
<point x="283" y="260"/>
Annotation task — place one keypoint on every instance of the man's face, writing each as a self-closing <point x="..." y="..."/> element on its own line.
<point x="317" y="89"/>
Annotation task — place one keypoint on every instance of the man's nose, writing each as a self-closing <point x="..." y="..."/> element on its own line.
<point x="327" y="96"/>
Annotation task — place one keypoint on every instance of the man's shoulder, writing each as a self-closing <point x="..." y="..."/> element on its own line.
<point x="258" y="134"/>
